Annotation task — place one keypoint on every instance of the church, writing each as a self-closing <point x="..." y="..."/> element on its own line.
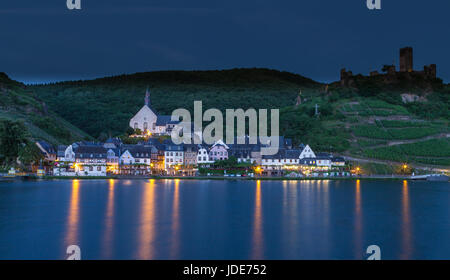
<point x="147" y="121"/>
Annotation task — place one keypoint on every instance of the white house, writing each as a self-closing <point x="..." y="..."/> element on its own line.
<point x="173" y="155"/>
<point x="112" y="160"/>
<point x="142" y="154"/>
<point x="323" y="161"/>
<point x="90" y="160"/>
<point x="218" y="151"/>
<point x="69" y="154"/>
<point x="148" y="121"/>
<point x="136" y="160"/>
<point x="126" y="158"/>
<point x="145" y="120"/>
<point x="337" y="162"/>
<point x="306" y="152"/>
<point x="203" y="155"/>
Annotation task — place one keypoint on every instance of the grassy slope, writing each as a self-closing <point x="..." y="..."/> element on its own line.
<point x="19" y="103"/>
<point x="352" y="121"/>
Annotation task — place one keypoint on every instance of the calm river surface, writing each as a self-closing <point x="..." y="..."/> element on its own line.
<point x="223" y="219"/>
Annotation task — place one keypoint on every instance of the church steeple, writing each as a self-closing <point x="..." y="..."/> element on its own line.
<point x="147" y="97"/>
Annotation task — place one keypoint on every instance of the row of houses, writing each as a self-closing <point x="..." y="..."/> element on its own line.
<point x="152" y="157"/>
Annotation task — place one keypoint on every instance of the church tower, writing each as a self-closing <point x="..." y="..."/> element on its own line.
<point x="147" y="97"/>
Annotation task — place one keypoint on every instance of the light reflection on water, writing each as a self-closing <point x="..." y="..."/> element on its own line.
<point x="358" y="221"/>
<point x="146" y="226"/>
<point x="109" y="223"/>
<point x="406" y="223"/>
<point x="175" y="242"/>
<point x="74" y="215"/>
<point x="171" y="219"/>
<point x="257" y="225"/>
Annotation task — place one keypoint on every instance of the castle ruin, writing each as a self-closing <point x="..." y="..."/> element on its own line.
<point x="406" y="66"/>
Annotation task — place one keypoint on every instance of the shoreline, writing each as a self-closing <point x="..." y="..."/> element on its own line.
<point x="375" y="177"/>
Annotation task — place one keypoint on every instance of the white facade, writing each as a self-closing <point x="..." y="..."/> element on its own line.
<point x="160" y="129"/>
<point x="323" y="162"/>
<point x="272" y="162"/>
<point x="338" y="163"/>
<point x="98" y="169"/>
<point x="126" y="158"/>
<point x="69" y="154"/>
<point x="307" y="153"/>
<point x="145" y="120"/>
<point x="143" y="158"/>
<point x="92" y="166"/>
<point x="203" y="156"/>
<point x="173" y="158"/>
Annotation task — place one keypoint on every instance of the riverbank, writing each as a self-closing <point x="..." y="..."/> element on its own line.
<point x="373" y="177"/>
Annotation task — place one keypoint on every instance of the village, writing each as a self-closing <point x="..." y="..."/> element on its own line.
<point x="156" y="155"/>
<point x="155" y="158"/>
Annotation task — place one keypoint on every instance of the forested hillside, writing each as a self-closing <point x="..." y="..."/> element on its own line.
<point x="368" y="119"/>
<point x="19" y="104"/>
<point x="106" y="105"/>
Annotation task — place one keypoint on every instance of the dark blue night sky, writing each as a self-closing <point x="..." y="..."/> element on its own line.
<point x="315" y="38"/>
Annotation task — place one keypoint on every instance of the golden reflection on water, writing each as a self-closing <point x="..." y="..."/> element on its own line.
<point x="325" y="184"/>
<point x="74" y="215"/>
<point x="358" y="221"/>
<point x="285" y="198"/>
<point x="406" y="223"/>
<point x="257" y="250"/>
<point x="324" y="193"/>
<point x="147" y="222"/>
<point x="175" y="221"/>
<point x="109" y="222"/>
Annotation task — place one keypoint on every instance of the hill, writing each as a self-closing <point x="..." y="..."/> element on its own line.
<point x="367" y="120"/>
<point x="18" y="103"/>
<point x="106" y="105"/>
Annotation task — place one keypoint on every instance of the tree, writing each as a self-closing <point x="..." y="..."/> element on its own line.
<point x="386" y="68"/>
<point x="102" y="137"/>
<point x="129" y="130"/>
<point x="30" y="154"/>
<point x="13" y="136"/>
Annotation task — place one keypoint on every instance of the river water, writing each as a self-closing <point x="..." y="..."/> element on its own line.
<point x="224" y="219"/>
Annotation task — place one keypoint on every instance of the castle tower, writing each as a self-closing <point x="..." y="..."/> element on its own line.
<point x="147" y="98"/>
<point x="406" y="59"/>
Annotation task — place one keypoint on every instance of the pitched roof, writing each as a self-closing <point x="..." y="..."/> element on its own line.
<point x="61" y="150"/>
<point x="140" y="151"/>
<point x="284" y="154"/>
<point x="337" y="159"/>
<point x="163" y="120"/>
<point x="115" y="141"/>
<point x="90" y="151"/>
<point x="173" y="147"/>
<point x="190" y="147"/>
<point x="48" y="148"/>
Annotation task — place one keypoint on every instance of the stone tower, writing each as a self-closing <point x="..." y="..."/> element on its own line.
<point x="406" y="59"/>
